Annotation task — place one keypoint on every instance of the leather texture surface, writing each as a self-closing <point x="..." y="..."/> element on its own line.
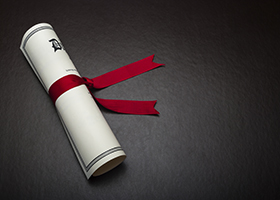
<point x="217" y="135"/>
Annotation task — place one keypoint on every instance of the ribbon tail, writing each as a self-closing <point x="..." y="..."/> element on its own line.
<point x="129" y="106"/>
<point x="124" y="73"/>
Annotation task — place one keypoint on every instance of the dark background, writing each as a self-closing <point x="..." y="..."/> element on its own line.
<point x="217" y="135"/>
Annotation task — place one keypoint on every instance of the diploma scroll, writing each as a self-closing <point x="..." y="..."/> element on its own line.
<point x="94" y="144"/>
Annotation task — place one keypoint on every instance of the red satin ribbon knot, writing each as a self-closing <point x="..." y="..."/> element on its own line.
<point x="123" y="73"/>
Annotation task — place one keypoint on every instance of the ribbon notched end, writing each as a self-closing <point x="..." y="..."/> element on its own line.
<point x="151" y="60"/>
<point x="152" y="110"/>
<point x="129" y="106"/>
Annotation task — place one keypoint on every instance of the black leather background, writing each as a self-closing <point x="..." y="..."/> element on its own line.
<point x="217" y="135"/>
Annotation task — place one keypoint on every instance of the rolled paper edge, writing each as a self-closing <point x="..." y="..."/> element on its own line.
<point x="108" y="166"/>
<point x="30" y="30"/>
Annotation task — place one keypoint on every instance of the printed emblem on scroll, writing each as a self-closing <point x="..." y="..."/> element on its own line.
<point x="55" y="44"/>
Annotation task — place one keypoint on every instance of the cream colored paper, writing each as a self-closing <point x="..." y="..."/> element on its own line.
<point x="94" y="144"/>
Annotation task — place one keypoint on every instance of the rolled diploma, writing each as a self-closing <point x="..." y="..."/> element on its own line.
<point x="94" y="144"/>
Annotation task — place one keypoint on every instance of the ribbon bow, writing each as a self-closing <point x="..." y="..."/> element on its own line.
<point x="123" y="73"/>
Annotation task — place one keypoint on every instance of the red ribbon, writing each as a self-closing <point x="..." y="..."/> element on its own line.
<point x="121" y="106"/>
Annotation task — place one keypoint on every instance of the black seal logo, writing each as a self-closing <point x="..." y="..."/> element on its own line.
<point x="56" y="44"/>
